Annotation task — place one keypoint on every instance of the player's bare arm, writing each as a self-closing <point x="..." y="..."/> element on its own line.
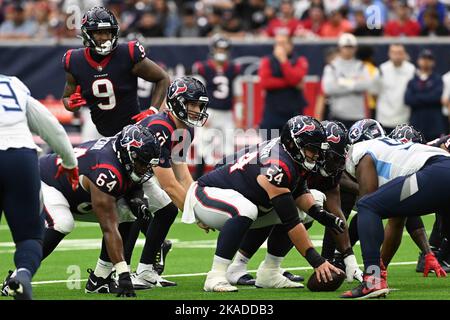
<point x="169" y="183"/>
<point x="296" y="231"/>
<point x="366" y="174"/>
<point x="70" y="89"/>
<point x="150" y="71"/>
<point x="182" y="174"/>
<point x="104" y="206"/>
<point x="333" y="205"/>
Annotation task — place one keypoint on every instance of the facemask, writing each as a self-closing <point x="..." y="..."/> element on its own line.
<point x="105" y="48"/>
<point x="221" y="57"/>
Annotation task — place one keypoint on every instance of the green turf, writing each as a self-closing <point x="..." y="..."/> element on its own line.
<point x="187" y="260"/>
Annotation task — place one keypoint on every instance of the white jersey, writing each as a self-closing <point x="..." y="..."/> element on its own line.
<point x="21" y="114"/>
<point x="392" y="158"/>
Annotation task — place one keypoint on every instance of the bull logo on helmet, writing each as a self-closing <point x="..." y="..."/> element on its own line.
<point x="307" y="126"/>
<point x="130" y="140"/>
<point x="176" y="89"/>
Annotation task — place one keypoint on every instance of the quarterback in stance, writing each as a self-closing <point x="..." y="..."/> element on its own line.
<point x="401" y="180"/>
<point x="263" y="176"/>
<point x="20" y="186"/>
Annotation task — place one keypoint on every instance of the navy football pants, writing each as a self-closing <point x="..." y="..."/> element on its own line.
<point x="20" y="186"/>
<point x="427" y="191"/>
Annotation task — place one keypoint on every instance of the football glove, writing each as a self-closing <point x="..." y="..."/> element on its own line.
<point x="431" y="263"/>
<point x="72" y="175"/>
<point x="327" y="219"/>
<point x="76" y="100"/>
<point x="145" y="114"/>
<point x="139" y="208"/>
<point x="352" y="270"/>
<point x="125" y="286"/>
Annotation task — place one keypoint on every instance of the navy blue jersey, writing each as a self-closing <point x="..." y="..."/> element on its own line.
<point x="219" y="82"/>
<point x="268" y="158"/>
<point x="439" y="141"/>
<point x="174" y="143"/>
<point x="109" y="86"/>
<point x="98" y="162"/>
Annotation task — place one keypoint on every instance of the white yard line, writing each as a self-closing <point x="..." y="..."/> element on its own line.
<point x="199" y="274"/>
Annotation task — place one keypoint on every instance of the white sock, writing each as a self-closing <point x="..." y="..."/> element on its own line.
<point x="272" y="262"/>
<point x="220" y="264"/>
<point x="103" y="269"/>
<point x="240" y="259"/>
<point x="142" y="267"/>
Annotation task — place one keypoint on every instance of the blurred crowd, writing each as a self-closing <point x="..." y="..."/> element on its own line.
<point x="234" y="18"/>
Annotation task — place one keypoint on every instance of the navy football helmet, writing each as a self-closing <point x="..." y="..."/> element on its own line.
<point x="407" y="133"/>
<point x="220" y="48"/>
<point x="182" y="91"/>
<point x="95" y="19"/>
<point x="366" y="129"/>
<point x="334" y="158"/>
<point x="138" y="150"/>
<point x="300" y="133"/>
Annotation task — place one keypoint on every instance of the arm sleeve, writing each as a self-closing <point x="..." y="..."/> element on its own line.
<point x="137" y="51"/>
<point x="66" y="60"/>
<point x="330" y="83"/>
<point x="278" y="173"/>
<point x="107" y="180"/>
<point x="295" y="73"/>
<point x="268" y="81"/>
<point x="43" y="123"/>
<point x="364" y="82"/>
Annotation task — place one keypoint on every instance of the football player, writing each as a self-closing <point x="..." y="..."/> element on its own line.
<point x="395" y="180"/>
<point x="187" y="103"/>
<point x="265" y="176"/>
<point x="109" y="169"/>
<point x="219" y="75"/>
<point x="438" y="238"/>
<point x="324" y="186"/>
<point x="20" y="185"/>
<point x="103" y="75"/>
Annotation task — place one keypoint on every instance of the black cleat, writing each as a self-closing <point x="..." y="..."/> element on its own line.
<point x="19" y="285"/>
<point x="293" y="277"/>
<point x="5" y="287"/>
<point x="161" y="256"/>
<point x="246" y="280"/>
<point x="100" y="285"/>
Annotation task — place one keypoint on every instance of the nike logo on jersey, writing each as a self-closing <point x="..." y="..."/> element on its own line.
<point x="112" y="174"/>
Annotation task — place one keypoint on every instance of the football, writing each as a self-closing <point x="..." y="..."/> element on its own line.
<point x="314" y="285"/>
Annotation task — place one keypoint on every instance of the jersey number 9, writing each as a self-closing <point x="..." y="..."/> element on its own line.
<point x="103" y="89"/>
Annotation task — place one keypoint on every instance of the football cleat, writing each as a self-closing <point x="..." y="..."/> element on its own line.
<point x="420" y="267"/>
<point x="371" y="287"/>
<point x="20" y="289"/>
<point x="96" y="284"/>
<point x="273" y="278"/>
<point x="246" y="280"/>
<point x="237" y="274"/>
<point x="161" y="256"/>
<point x="148" y="279"/>
<point x="5" y="287"/>
<point x="217" y="282"/>
<point x="293" y="277"/>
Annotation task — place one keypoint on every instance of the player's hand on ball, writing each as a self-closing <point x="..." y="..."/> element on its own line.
<point x="72" y="175"/>
<point x="76" y="100"/>
<point x="431" y="263"/>
<point x="125" y="286"/>
<point x="323" y="272"/>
